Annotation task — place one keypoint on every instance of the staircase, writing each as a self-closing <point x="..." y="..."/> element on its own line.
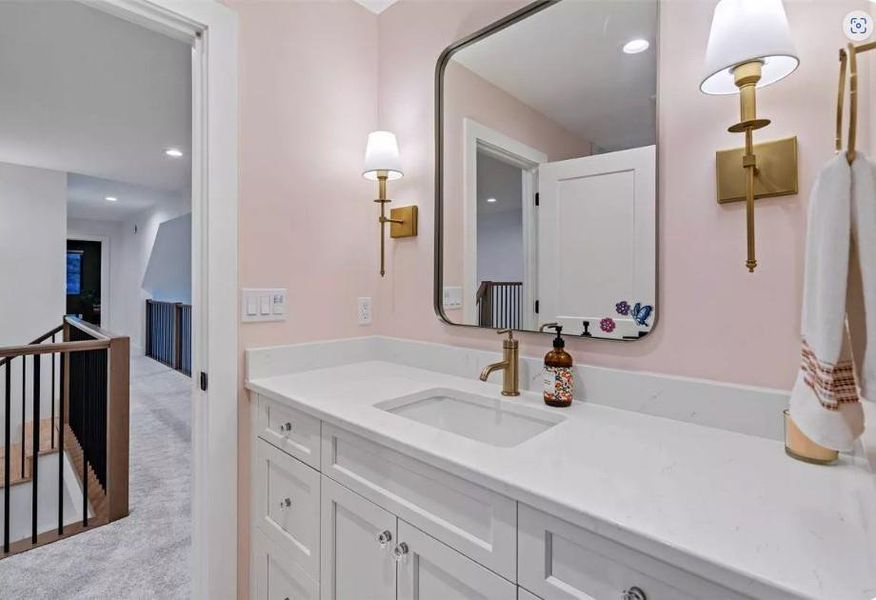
<point x="22" y="473"/>
<point x="82" y="383"/>
<point x="96" y="493"/>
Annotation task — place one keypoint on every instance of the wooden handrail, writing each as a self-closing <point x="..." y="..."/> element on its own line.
<point x="60" y="347"/>
<point x="89" y="328"/>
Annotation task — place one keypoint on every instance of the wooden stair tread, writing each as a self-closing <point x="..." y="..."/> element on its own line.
<point x="16" y="476"/>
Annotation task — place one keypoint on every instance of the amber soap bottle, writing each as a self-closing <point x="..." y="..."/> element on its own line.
<point x="558" y="375"/>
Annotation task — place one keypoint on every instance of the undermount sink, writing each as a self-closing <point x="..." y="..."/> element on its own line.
<point x="489" y="420"/>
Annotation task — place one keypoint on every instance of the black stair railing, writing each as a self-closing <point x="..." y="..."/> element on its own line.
<point x="169" y="334"/>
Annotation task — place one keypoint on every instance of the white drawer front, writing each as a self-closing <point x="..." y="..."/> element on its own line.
<point x="286" y="505"/>
<point x="560" y="561"/>
<point x="274" y="577"/>
<point x="289" y="430"/>
<point x="478" y="522"/>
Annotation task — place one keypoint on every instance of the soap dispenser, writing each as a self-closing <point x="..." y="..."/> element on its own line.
<point x="558" y="376"/>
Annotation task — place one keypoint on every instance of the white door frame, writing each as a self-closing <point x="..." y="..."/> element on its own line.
<point x="480" y="137"/>
<point x="211" y="29"/>
<point x="105" y="242"/>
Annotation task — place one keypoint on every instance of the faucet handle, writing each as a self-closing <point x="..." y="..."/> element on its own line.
<point x="510" y="342"/>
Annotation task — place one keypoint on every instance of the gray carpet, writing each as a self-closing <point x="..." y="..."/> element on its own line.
<point x="147" y="554"/>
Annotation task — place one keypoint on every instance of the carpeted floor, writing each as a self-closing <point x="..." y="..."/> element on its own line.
<point x="147" y="554"/>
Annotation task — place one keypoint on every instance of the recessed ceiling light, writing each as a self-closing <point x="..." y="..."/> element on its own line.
<point x="491" y="200"/>
<point x="174" y="152"/>
<point x="636" y="46"/>
<point x="111" y="199"/>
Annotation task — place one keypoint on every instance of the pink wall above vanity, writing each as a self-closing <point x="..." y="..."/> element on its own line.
<point x="716" y="320"/>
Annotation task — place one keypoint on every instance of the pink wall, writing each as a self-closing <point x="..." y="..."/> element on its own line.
<point x="308" y="98"/>
<point x="716" y="320"/>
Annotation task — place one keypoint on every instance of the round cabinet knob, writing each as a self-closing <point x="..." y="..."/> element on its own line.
<point x="384" y="538"/>
<point x="400" y="551"/>
<point x="634" y="593"/>
<point x="285" y="502"/>
<point x="286" y="427"/>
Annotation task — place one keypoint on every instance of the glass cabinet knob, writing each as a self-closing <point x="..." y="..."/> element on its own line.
<point x="400" y="551"/>
<point x="634" y="593"/>
<point x="384" y="538"/>
<point x="285" y="502"/>
<point x="286" y="427"/>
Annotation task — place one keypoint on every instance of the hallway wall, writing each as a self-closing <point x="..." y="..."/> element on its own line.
<point x="33" y="215"/>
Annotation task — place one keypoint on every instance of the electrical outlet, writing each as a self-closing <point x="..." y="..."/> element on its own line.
<point x="363" y="310"/>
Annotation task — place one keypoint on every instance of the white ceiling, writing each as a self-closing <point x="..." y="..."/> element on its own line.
<point x="566" y="62"/>
<point x="85" y="92"/>
<point x="86" y="198"/>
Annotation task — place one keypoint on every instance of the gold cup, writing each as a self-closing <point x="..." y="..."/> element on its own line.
<point x="798" y="446"/>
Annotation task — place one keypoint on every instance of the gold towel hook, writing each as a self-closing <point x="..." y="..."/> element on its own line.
<point x="840" y="99"/>
<point x="853" y="103"/>
<point x="853" y="52"/>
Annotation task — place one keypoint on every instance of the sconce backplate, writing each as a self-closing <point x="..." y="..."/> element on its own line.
<point x="776" y="171"/>
<point x="408" y="226"/>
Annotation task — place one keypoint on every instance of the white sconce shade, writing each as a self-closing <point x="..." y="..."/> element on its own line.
<point x="381" y="154"/>
<point x="744" y="31"/>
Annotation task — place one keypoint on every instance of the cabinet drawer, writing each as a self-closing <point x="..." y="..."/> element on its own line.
<point x="290" y="430"/>
<point x="286" y="505"/>
<point x="561" y="561"/>
<point x="476" y="521"/>
<point x="274" y="577"/>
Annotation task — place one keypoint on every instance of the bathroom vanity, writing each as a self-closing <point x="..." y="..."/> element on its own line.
<point x="374" y="477"/>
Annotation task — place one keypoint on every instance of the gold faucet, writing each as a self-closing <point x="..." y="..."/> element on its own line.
<point x="509" y="366"/>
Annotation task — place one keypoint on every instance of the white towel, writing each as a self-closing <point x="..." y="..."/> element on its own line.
<point x="842" y="211"/>
<point x="864" y="238"/>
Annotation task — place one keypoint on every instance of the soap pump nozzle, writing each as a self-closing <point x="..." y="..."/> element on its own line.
<point x="559" y="342"/>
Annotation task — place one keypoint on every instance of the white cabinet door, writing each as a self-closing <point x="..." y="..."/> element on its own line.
<point x="275" y="577"/>
<point x="597" y="239"/>
<point x="430" y="570"/>
<point x="357" y="542"/>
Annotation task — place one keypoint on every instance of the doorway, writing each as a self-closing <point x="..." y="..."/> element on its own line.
<point x="494" y="160"/>
<point x="212" y="494"/>
<point x="83" y="280"/>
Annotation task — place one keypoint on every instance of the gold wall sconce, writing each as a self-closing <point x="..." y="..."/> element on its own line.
<point x="750" y="46"/>
<point x="382" y="163"/>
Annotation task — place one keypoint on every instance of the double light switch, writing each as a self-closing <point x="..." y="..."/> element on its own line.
<point x="263" y="304"/>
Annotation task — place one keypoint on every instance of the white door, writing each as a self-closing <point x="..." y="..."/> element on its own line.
<point x="431" y="570"/>
<point x="597" y="239"/>
<point x="357" y="541"/>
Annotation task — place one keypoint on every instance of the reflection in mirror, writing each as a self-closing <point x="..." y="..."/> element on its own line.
<point x="549" y="153"/>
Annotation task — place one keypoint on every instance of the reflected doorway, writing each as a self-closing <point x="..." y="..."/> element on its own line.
<point x="83" y="279"/>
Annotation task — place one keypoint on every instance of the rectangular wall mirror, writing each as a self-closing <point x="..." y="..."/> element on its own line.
<point x="546" y="181"/>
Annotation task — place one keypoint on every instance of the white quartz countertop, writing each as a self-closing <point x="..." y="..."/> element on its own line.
<point x="730" y="507"/>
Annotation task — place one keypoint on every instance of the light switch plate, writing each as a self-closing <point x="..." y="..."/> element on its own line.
<point x="262" y="304"/>
<point x="452" y="298"/>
